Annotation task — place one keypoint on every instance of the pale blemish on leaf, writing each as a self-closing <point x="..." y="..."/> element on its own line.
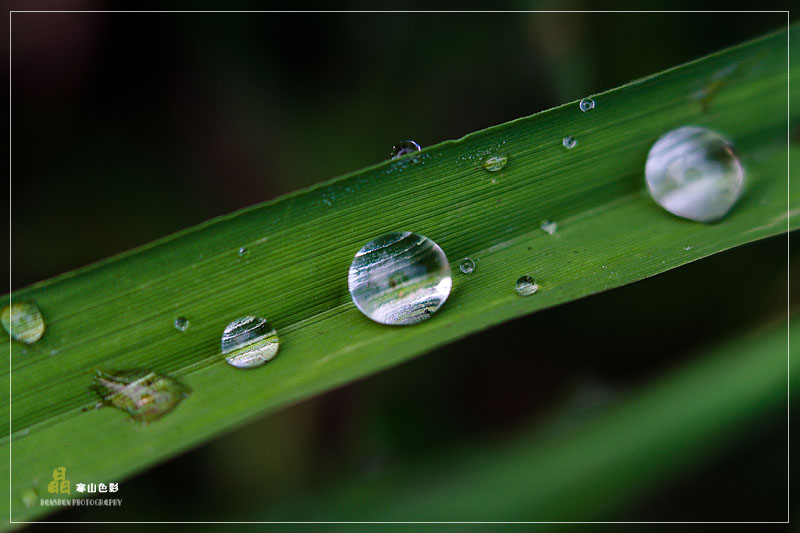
<point x="145" y="395"/>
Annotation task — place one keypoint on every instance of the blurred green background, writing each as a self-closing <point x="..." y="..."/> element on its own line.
<point x="128" y="127"/>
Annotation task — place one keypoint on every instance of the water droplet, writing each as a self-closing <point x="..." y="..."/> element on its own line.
<point x="249" y="342"/>
<point x="29" y="497"/>
<point x="467" y="265"/>
<point x="145" y="395"/>
<point x="399" y="278"/>
<point x="693" y="173"/>
<point x="587" y="104"/>
<point x="23" y="321"/>
<point x="687" y="248"/>
<point x="404" y="147"/>
<point x="526" y="286"/>
<point x="569" y="142"/>
<point x="242" y="251"/>
<point x="549" y="226"/>
<point x="495" y="163"/>
<point x="181" y="323"/>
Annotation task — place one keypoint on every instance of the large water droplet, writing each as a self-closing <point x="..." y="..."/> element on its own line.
<point x="399" y="278"/>
<point x="526" y="286"/>
<point x="404" y="147"/>
<point x="23" y="321"/>
<point x="29" y="497"/>
<point x="569" y="142"/>
<point x="587" y="104"/>
<point x="181" y="323"/>
<point x="495" y="163"/>
<point x="145" y="395"/>
<point x="249" y="342"/>
<point x="694" y="173"/>
<point x="467" y="265"/>
<point x="549" y="226"/>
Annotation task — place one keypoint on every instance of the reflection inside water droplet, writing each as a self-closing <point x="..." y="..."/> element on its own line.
<point x="467" y="265"/>
<point x="399" y="278"/>
<point x="495" y="163"/>
<point x="23" y="321"/>
<point x="146" y="396"/>
<point x="569" y="142"/>
<point x="249" y="342"/>
<point x="526" y="286"/>
<point x="694" y="173"/>
<point x="181" y="323"/>
<point x="404" y="147"/>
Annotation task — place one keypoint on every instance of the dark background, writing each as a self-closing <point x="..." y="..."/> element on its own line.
<point x="128" y="127"/>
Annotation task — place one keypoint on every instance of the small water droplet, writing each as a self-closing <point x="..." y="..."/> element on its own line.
<point x="687" y="248"/>
<point x="242" y="251"/>
<point x="249" y="342"/>
<point x="29" y="497"/>
<point x="694" y="173"/>
<point x="495" y="163"/>
<point x="404" y="147"/>
<point x="549" y="226"/>
<point x="181" y="323"/>
<point x="467" y="265"/>
<point x="526" y="286"/>
<point x="23" y="321"/>
<point x="145" y="395"/>
<point x="399" y="278"/>
<point x="587" y="104"/>
<point x="569" y="142"/>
